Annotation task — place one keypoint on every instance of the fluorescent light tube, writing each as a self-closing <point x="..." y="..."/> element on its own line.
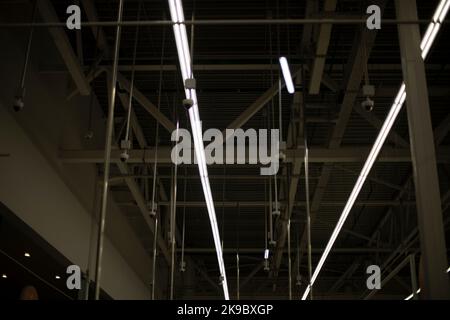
<point x="430" y="41"/>
<point x="179" y="29"/>
<point x="266" y="254"/>
<point x="412" y="295"/>
<point x="448" y="270"/>
<point x="287" y="75"/>
<point x="438" y="11"/>
<point x="444" y="12"/>
<point x="400" y="98"/>
<point x="426" y="37"/>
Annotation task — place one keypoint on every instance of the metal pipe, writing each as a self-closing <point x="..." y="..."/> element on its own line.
<point x="289" y="257"/>
<point x="172" y="232"/>
<point x="237" y="275"/>
<point x="109" y="131"/>
<point x="308" y="220"/>
<point x="216" y="22"/>
<point x="155" y="248"/>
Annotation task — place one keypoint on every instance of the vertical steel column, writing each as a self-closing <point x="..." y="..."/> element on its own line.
<point x="108" y="138"/>
<point x="432" y="241"/>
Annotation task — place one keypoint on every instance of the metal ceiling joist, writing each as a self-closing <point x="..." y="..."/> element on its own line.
<point x="377" y="123"/>
<point x="256" y="106"/>
<point x="143" y="207"/>
<point x="97" y="32"/>
<point x="316" y="155"/>
<point x="146" y="104"/>
<point x="139" y="198"/>
<point x="64" y="47"/>
<point x="257" y="204"/>
<point x="323" y="40"/>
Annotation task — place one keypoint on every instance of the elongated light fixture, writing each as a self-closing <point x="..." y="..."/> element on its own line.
<point x="179" y="29"/>
<point x="427" y="41"/>
<point x="412" y="295"/>
<point x="287" y="75"/>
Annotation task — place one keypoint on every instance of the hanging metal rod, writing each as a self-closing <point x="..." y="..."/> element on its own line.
<point x="212" y="22"/>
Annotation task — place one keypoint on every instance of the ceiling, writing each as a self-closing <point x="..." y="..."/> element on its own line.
<point x="234" y="66"/>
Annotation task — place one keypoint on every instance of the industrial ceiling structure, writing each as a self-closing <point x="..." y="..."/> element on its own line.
<point x="269" y="249"/>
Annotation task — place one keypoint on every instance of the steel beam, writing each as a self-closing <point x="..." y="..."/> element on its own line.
<point x="64" y="47"/>
<point x="258" y="204"/>
<point x="323" y="40"/>
<point x="146" y="104"/>
<point x="316" y="155"/>
<point x="432" y="239"/>
<point x="256" y="106"/>
<point x="284" y="251"/>
<point x="377" y="123"/>
<point x="97" y="32"/>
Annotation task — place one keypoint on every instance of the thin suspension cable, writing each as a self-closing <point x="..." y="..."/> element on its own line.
<point x="184" y="220"/>
<point x="280" y="114"/>
<point x="273" y="120"/>
<point x="269" y="126"/>
<point x="308" y="218"/>
<point x="133" y="70"/>
<point x="30" y="40"/>
<point x="157" y="123"/>
<point x="237" y="251"/>
<point x="155" y="248"/>
<point x="155" y="163"/>
<point x="289" y="257"/>
<point x="173" y="216"/>
<point x="223" y="207"/>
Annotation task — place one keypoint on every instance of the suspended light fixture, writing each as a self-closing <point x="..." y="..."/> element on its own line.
<point x="179" y="29"/>
<point x="287" y="75"/>
<point x="426" y="44"/>
<point x="412" y="295"/>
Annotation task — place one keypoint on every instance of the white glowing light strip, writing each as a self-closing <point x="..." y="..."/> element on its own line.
<point x="287" y="75"/>
<point x="448" y="270"/>
<point x="412" y="295"/>
<point x="434" y="26"/>
<point x="179" y="29"/>
<point x="389" y="122"/>
<point x="266" y="254"/>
